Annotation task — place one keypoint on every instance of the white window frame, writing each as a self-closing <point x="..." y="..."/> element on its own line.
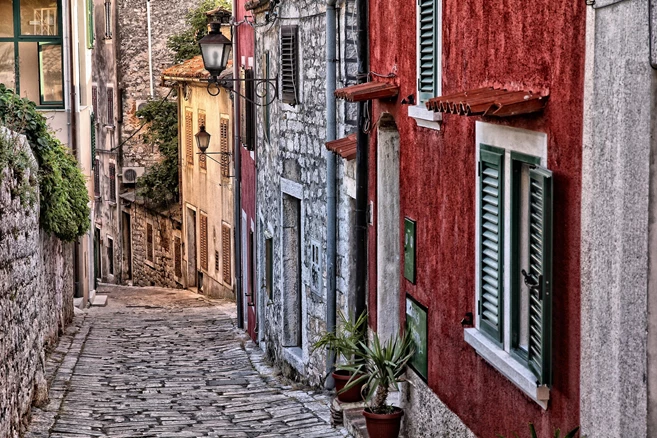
<point x="424" y="117"/>
<point x="529" y="143"/>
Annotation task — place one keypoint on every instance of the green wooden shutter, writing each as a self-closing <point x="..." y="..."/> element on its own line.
<point x="540" y="271"/>
<point x="427" y="36"/>
<point x="491" y="225"/>
<point x="90" y="24"/>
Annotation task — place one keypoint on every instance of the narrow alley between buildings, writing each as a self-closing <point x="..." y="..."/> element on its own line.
<point x="163" y="362"/>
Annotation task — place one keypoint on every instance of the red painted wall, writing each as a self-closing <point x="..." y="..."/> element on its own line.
<point x="245" y="48"/>
<point x="517" y="44"/>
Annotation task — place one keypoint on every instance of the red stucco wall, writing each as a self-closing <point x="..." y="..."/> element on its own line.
<point x="517" y="44"/>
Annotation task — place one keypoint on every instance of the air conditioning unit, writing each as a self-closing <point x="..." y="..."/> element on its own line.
<point x="130" y="174"/>
<point x="140" y="104"/>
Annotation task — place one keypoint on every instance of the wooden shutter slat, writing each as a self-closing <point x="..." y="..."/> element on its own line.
<point x="289" y="68"/>
<point x="204" y="242"/>
<point x="226" y="254"/>
<point x="177" y="248"/>
<point x="427" y="49"/>
<point x="539" y="352"/>
<point x="189" y="138"/>
<point x="490" y="247"/>
<point x="223" y="144"/>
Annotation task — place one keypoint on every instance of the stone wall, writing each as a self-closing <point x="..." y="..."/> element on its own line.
<point x="293" y="164"/>
<point x="36" y="298"/>
<point x="166" y="227"/>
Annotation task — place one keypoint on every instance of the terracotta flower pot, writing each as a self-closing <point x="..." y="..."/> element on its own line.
<point x="352" y="395"/>
<point x="383" y="425"/>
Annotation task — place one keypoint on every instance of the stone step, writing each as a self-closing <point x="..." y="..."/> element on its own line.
<point x="99" y="301"/>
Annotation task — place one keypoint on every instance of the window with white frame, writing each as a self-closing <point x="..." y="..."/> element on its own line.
<point x="514" y="256"/>
<point x="428" y="61"/>
<point x="31" y="54"/>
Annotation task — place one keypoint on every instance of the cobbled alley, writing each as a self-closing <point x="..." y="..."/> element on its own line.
<point x="169" y="363"/>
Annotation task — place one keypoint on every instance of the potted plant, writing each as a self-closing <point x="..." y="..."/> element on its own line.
<point x="379" y="368"/>
<point x="344" y="343"/>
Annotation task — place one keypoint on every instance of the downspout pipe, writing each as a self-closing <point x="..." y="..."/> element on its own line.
<point x="331" y="199"/>
<point x="150" y="47"/>
<point x="362" y="145"/>
<point x="237" y="150"/>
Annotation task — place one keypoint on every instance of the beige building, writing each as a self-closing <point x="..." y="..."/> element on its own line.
<point x="206" y="189"/>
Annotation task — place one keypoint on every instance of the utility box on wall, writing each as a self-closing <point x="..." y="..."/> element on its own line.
<point x="409" y="250"/>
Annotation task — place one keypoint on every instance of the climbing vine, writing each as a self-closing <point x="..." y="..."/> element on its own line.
<point x="159" y="185"/>
<point x="185" y="43"/>
<point x="62" y="186"/>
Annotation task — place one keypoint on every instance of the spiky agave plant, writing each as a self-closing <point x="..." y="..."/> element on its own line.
<point x="557" y="433"/>
<point x="379" y="367"/>
<point x="344" y="341"/>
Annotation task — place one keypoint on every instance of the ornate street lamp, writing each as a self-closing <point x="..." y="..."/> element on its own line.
<point x="203" y="139"/>
<point x="216" y="50"/>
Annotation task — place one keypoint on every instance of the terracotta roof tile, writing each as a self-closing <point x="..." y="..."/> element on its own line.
<point x="193" y="69"/>
<point x="345" y="147"/>
<point x="488" y="101"/>
<point x="367" y="91"/>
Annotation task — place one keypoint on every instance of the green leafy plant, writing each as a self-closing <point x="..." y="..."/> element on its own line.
<point x="344" y="341"/>
<point x="185" y="44"/>
<point x="379" y="367"/>
<point x="159" y="185"/>
<point x="64" y="209"/>
<point x="557" y="433"/>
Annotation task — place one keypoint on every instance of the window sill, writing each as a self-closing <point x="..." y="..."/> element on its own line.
<point x="294" y="356"/>
<point x="508" y="366"/>
<point x="424" y="117"/>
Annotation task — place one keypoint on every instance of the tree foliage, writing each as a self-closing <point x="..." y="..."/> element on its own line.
<point x="62" y="185"/>
<point x="159" y="185"/>
<point x="185" y="43"/>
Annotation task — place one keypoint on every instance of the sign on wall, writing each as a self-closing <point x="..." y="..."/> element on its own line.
<point x="416" y="324"/>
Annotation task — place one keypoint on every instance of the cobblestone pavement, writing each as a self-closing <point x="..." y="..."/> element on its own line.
<point x="167" y="363"/>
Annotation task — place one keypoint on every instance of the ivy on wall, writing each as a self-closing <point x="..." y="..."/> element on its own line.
<point x="159" y="185"/>
<point x="185" y="43"/>
<point x="62" y="186"/>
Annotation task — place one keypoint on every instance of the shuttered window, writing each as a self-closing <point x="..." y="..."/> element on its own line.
<point x="110" y="106"/>
<point x="90" y="24"/>
<point x="149" y="243"/>
<point x="226" y="254"/>
<point x="491" y="190"/>
<point x="289" y="67"/>
<point x="189" y="137"/>
<point x="247" y="111"/>
<point x="223" y="145"/>
<point x="112" y="178"/>
<point x="266" y="116"/>
<point x="529" y="259"/>
<point x="269" y="268"/>
<point x="204" y="241"/>
<point x="96" y="177"/>
<point x="428" y="53"/>
<point x="94" y="98"/>
<point x="539" y="351"/>
<point x="202" y="158"/>
<point x="177" y="249"/>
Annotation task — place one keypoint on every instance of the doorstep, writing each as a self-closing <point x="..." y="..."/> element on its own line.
<point x="350" y="415"/>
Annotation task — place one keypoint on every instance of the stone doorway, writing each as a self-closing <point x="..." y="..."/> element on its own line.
<point x="292" y="329"/>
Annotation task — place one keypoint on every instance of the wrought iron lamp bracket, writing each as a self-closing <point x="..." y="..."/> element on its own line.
<point x="261" y="87"/>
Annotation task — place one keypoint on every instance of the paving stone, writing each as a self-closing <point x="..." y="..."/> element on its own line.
<point x="161" y="363"/>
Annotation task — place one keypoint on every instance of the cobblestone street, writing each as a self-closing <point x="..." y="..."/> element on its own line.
<point x="159" y="362"/>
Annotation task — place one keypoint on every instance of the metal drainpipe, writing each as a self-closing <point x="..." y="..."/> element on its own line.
<point x="237" y="226"/>
<point x="78" y="252"/>
<point x="331" y="200"/>
<point x="150" y="47"/>
<point x="362" y="144"/>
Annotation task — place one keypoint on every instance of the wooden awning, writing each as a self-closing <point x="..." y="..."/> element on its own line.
<point x="367" y="91"/>
<point x="488" y="102"/>
<point x="345" y="147"/>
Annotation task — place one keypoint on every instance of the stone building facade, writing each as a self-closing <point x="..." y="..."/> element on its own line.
<point x="36" y="300"/>
<point x="291" y="186"/>
<point x="128" y="62"/>
<point x="207" y="180"/>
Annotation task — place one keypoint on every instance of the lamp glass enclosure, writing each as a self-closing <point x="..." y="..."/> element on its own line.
<point x="203" y="139"/>
<point x="215" y="49"/>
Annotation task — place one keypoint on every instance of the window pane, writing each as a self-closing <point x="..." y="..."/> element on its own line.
<point x="52" y="86"/>
<point x="7" y="65"/>
<point x="39" y="17"/>
<point x="28" y="64"/>
<point x="7" y="22"/>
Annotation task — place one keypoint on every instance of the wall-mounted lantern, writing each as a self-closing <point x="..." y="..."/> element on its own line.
<point x="215" y="51"/>
<point x="203" y="143"/>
